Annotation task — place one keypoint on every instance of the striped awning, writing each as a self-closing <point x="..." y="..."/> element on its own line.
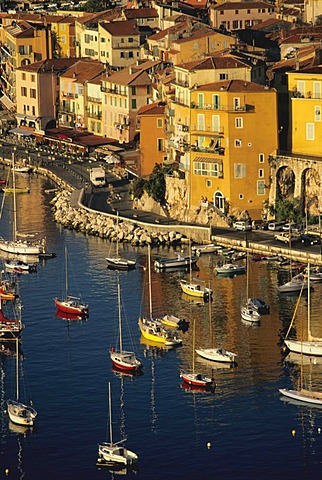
<point x="208" y="160"/>
<point x="6" y="102"/>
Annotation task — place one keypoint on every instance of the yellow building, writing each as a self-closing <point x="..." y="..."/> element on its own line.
<point x="305" y="89"/>
<point x="233" y="130"/>
<point x="63" y="29"/>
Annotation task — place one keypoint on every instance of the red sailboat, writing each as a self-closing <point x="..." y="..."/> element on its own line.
<point x="70" y="304"/>
<point x="123" y="360"/>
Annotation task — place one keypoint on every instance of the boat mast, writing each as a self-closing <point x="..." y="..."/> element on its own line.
<point x="193" y="345"/>
<point x="17" y="369"/>
<point x="309" y="336"/>
<point x="66" y="272"/>
<point x="110" y="412"/>
<point x="14" y="198"/>
<point x="117" y="234"/>
<point x="119" y="310"/>
<point x="150" y="286"/>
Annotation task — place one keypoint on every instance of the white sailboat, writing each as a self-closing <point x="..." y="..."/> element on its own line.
<point x="152" y="328"/>
<point x="304" y="347"/>
<point x="20" y="413"/>
<point x="311" y="346"/>
<point x="117" y="262"/>
<point x="214" y="354"/>
<point x="111" y="453"/>
<point x="123" y="359"/>
<point x="248" y="311"/>
<point x="19" y="246"/>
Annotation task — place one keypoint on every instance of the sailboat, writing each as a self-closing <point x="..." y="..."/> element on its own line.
<point x="194" y="286"/>
<point x="18" y="412"/>
<point x="123" y="359"/>
<point x="18" y="246"/>
<point x="216" y="354"/>
<point x="110" y="453"/>
<point x="151" y="328"/>
<point x="194" y="378"/>
<point x="311" y="346"/>
<point x="11" y="329"/>
<point x="117" y="262"/>
<point x="303" y="394"/>
<point x="248" y="311"/>
<point x="70" y="304"/>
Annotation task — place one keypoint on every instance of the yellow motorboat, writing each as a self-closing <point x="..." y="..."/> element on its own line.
<point x="17" y="190"/>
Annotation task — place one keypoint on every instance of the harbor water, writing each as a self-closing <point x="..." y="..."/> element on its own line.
<point x="241" y="430"/>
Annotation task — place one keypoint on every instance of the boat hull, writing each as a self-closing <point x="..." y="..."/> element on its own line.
<point x="21" y="414"/>
<point x="120" y="264"/>
<point x="164" y="263"/>
<point x="21" y="248"/>
<point x="125" y="361"/>
<point x="197" y="380"/>
<point x="305" y="347"/>
<point x="302" y="396"/>
<point x="193" y="290"/>
<point x="112" y="454"/>
<point x="217" y="355"/>
<point x="66" y="306"/>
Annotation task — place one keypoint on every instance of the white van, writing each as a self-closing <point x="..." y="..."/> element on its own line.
<point x="276" y="226"/>
<point x="243" y="226"/>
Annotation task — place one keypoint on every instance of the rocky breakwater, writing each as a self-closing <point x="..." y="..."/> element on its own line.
<point x="106" y="226"/>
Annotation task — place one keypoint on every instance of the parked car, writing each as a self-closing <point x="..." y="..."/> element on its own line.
<point x="243" y="226"/>
<point x="286" y="237"/>
<point x="309" y="239"/>
<point x="259" y="225"/>
<point x="292" y="227"/>
<point x="276" y="226"/>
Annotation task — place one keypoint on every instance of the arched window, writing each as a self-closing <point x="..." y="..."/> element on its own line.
<point x="219" y="200"/>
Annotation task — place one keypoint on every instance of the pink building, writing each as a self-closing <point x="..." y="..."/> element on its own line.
<point x="240" y="15"/>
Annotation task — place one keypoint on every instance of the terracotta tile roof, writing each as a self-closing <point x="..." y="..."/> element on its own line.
<point x="242" y="5"/>
<point x="107" y="15"/>
<point x="132" y="13"/>
<point x="200" y="4"/>
<point x="301" y="38"/>
<point x="234" y="86"/>
<point x="314" y="69"/>
<point x="216" y="62"/>
<point x="206" y="32"/>
<point x="266" y="23"/>
<point x="84" y="70"/>
<point x="157" y="108"/>
<point x="54" y="65"/>
<point x="21" y="29"/>
<point x="305" y="56"/>
<point x="130" y="76"/>
<point x="120" y="28"/>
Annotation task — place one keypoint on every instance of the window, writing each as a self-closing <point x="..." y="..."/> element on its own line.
<point x="223" y="76"/>
<point x="248" y="11"/>
<point x="260" y="187"/>
<point x="241" y="196"/>
<point x="208" y="183"/>
<point x="238" y="143"/>
<point x="260" y="173"/>
<point x="215" y="102"/>
<point x="32" y="93"/>
<point x="310" y="131"/>
<point x="200" y="100"/>
<point x="317" y="113"/>
<point x="131" y="39"/>
<point x="33" y="111"/>
<point x="63" y="39"/>
<point x="23" y="91"/>
<point x="221" y="12"/>
<point x="316" y="89"/>
<point x="133" y="104"/>
<point x="201" y="122"/>
<point x="236" y="12"/>
<point x="236" y="103"/>
<point x="133" y="90"/>
<point x="301" y="87"/>
<point x="215" y="123"/>
<point x="148" y="89"/>
<point x="23" y="76"/>
<point x="160" y="145"/>
<point x="235" y="23"/>
<point x="130" y="54"/>
<point x="33" y="78"/>
<point x="122" y="40"/>
<point x="160" y="122"/>
<point x="238" y="122"/>
<point x="103" y="40"/>
<point x="207" y="170"/>
<point x="239" y="170"/>
<point x="261" y="157"/>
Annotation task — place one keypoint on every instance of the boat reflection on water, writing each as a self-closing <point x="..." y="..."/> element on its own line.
<point x="216" y="365"/>
<point x="250" y="324"/>
<point x="19" y="429"/>
<point x="297" y="403"/>
<point x="70" y="316"/>
<point x="293" y="357"/>
<point x="129" y="374"/>
<point x="118" y="469"/>
<point x="194" y="300"/>
<point x="154" y="349"/>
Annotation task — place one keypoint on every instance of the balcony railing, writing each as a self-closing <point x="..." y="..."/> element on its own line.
<point x="206" y="130"/>
<point x="224" y="108"/>
<point x="94" y="99"/>
<point x="215" y="150"/>
<point x="96" y="115"/>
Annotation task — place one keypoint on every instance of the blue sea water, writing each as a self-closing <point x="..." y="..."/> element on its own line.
<point x="251" y="432"/>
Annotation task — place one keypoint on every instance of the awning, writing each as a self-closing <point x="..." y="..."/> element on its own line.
<point x="208" y="160"/>
<point x="23" y="132"/>
<point x="6" y="102"/>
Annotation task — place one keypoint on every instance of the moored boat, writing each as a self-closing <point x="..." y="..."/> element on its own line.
<point x="175" y="262"/>
<point x="230" y="269"/>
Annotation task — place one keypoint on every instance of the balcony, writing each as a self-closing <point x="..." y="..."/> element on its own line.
<point x="206" y="130"/>
<point x="94" y="100"/>
<point x="211" y="150"/>
<point x="95" y="115"/>
<point x="126" y="46"/>
<point x="181" y="83"/>
<point x="63" y="107"/>
<point x="223" y="108"/>
<point x="182" y="128"/>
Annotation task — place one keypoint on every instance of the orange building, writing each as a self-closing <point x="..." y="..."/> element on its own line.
<point x="151" y="122"/>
